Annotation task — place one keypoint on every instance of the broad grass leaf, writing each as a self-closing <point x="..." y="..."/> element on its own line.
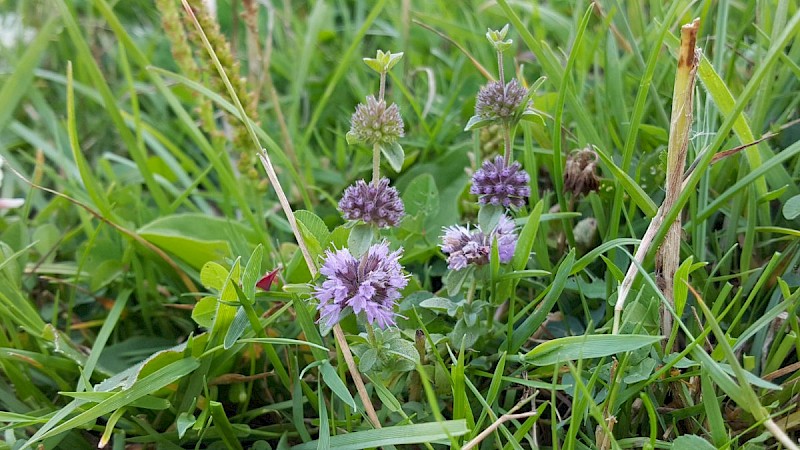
<point x="153" y="382"/>
<point x="535" y="320"/>
<point x="585" y="347"/>
<point x="398" y="435"/>
<point x="526" y="237"/>
<point x="196" y="238"/>
<point x="337" y="386"/>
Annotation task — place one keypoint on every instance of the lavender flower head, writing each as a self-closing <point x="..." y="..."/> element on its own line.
<point x="368" y="285"/>
<point x="378" y="204"/>
<point x="499" y="102"/>
<point x="464" y="246"/>
<point x="375" y="123"/>
<point x="499" y="184"/>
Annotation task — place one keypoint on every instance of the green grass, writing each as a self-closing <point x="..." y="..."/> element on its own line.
<point x="128" y="313"/>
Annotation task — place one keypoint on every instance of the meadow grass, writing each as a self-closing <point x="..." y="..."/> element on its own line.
<point x="168" y="160"/>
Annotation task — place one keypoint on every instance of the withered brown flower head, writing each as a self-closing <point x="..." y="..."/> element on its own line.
<point x="580" y="173"/>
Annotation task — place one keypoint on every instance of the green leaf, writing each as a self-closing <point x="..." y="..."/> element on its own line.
<point x="586" y="347"/>
<point x="394" y="155"/>
<point x="252" y="273"/>
<point x="368" y="360"/>
<point x="146" y="402"/>
<point x="323" y="443"/>
<point x="691" y="442"/>
<point x="791" y="209"/>
<point x="489" y="216"/>
<point x="228" y="291"/>
<point x="387" y="398"/>
<point x="338" y="237"/>
<point x="439" y="304"/>
<point x="213" y="276"/>
<point x="238" y="327"/>
<point x="397" y="435"/>
<point x="16" y="85"/>
<point x="314" y="224"/>
<point x="184" y="422"/>
<point x="640" y="371"/>
<point x="533" y="321"/>
<point x="455" y="279"/>
<point x="373" y="64"/>
<point x="223" y="426"/>
<point x="631" y="187"/>
<point x="681" y="288"/>
<point x="404" y="349"/>
<point x="195" y="238"/>
<point x="360" y="239"/>
<point x="204" y="311"/>
<point x="526" y="238"/>
<point x="332" y="380"/>
<point x="422" y="196"/>
<point x="394" y="58"/>
<point x="476" y="122"/>
<point x="153" y="382"/>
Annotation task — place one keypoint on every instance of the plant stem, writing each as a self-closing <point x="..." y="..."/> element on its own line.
<point x="471" y="291"/>
<point x="382" y="91"/>
<point x="506" y="144"/>
<point x="376" y="163"/>
<point x="371" y="334"/>
<point x="500" y="72"/>
<point x="351" y="365"/>
<point x="668" y="256"/>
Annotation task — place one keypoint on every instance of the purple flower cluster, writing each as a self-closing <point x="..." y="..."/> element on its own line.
<point x="368" y="285"/>
<point x="464" y="246"/>
<point x="499" y="184"/>
<point x="499" y="102"/>
<point x="377" y="204"/>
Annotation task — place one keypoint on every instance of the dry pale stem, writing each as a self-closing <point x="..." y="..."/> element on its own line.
<point x="351" y="365"/>
<point x="668" y="256"/>
<point x="501" y="420"/>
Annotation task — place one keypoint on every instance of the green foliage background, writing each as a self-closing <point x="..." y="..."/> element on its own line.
<point x="115" y="327"/>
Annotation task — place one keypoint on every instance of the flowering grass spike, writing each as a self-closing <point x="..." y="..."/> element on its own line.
<point x="464" y="246"/>
<point x="368" y="285"/>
